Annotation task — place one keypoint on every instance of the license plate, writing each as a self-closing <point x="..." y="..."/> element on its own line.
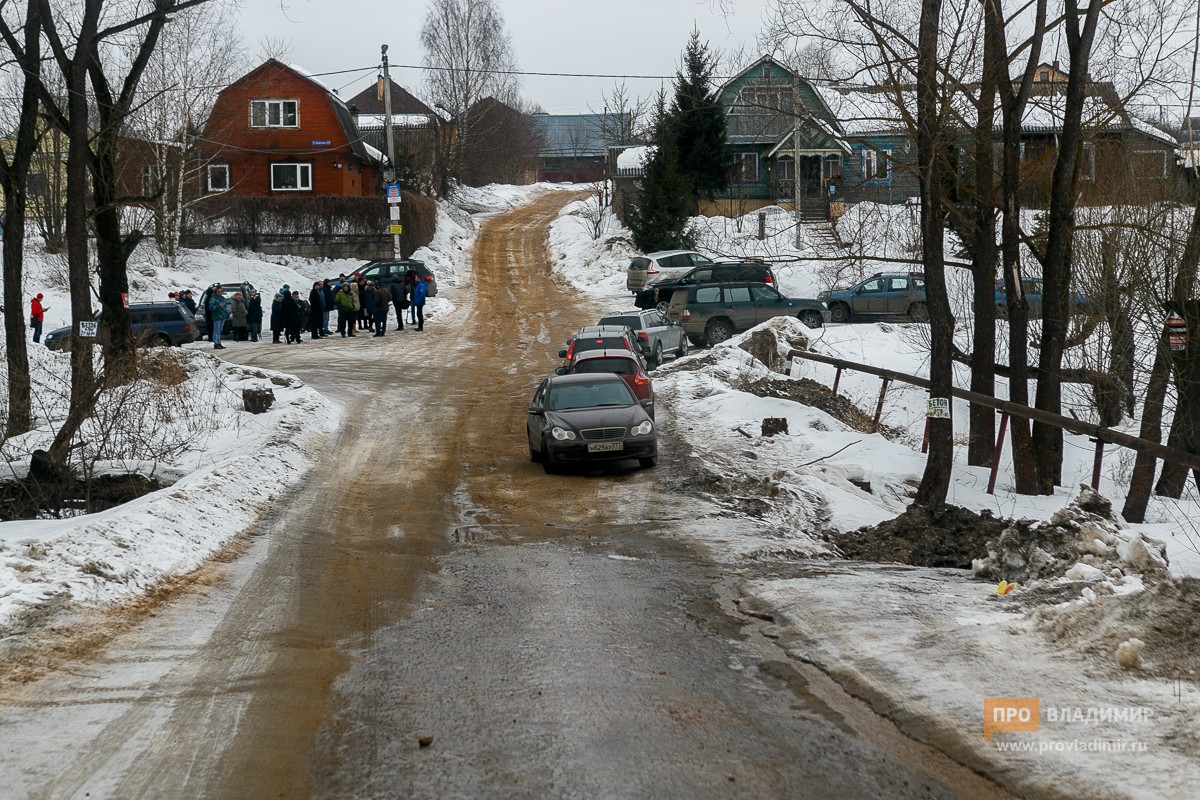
<point x="605" y="447"/>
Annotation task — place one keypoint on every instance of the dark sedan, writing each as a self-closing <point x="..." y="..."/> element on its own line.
<point x="587" y="418"/>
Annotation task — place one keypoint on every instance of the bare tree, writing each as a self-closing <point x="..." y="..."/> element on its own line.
<point x="468" y="58"/>
<point x="176" y="99"/>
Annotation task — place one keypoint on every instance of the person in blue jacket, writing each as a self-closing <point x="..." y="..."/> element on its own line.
<point x="418" y="301"/>
<point x="219" y="312"/>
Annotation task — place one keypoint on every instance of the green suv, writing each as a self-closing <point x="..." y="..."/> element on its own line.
<point x="710" y="313"/>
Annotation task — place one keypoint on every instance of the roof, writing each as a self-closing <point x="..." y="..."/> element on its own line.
<point x="578" y="135"/>
<point x="398" y="120"/>
<point x="370" y="101"/>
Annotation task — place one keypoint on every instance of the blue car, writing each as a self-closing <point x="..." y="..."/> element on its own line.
<point x="1032" y="287"/>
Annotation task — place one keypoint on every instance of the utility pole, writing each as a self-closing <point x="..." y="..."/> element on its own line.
<point x="796" y="150"/>
<point x="389" y="173"/>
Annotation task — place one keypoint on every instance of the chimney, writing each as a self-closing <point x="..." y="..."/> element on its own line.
<point x="1056" y="66"/>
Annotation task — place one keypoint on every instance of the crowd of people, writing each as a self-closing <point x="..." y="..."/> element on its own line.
<point x="355" y="305"/>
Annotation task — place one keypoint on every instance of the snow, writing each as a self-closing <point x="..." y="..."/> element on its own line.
<point x="924" y="645"/>
<point x="633" y="160"/>
<point x="398" y="120"/>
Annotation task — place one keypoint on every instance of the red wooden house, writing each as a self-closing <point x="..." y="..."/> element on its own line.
<point x="278" y="132"/>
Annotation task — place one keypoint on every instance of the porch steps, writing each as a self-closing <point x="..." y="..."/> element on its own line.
<point x="824" y="237"/>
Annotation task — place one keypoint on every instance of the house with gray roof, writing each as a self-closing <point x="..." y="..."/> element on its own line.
<point x="574" y="147"/>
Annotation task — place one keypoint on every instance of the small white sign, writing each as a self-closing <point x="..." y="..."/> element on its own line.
<point x="939" y="408"/>
<point x="89" y="329"/>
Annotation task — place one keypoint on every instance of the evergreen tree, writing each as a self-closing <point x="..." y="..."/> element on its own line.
<point x="700" y="125"/>
<point x="659" y="218"/>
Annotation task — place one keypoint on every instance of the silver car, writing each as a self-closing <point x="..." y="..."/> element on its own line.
<point x="656" y="334"/>
<point x="662" y="265"/>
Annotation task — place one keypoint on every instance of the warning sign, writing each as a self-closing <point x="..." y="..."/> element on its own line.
<point x="939" y="408"/>
<point x="395" y="230"/>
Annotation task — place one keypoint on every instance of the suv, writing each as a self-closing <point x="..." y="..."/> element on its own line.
<point x="658" y="295"/>
<point x="710" y="313"/>
<point x="600" y="337"/>
<point x="884" y="294"/>
<point x="656" y="334"/>
<point x="662" y="265"/>
<point x="164" y="324"/>
<point x="391" y="271"/>
<point x="244" y="287"/>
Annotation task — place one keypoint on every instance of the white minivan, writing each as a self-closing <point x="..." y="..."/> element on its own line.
<point x="662" y="265"/>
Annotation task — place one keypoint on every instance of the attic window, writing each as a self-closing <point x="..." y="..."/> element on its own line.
<point x="1045" y="76"/>
<point x="766" y="71"/>
<point x="274" y="113"/>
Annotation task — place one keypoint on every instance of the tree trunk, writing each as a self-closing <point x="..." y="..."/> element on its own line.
<point x="1185" y="427"/>
<point x="1056" y="270"/>
<point x="15" y="173"/>
<point x="982" y="440"/>
<point x="935" y="482"/>
<point x="1156" y="392"/>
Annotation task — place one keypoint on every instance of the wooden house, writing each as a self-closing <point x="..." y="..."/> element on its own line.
<point x="415" y="129"/>
<point x="277" y="131"/>
<point x="574" y="147"/>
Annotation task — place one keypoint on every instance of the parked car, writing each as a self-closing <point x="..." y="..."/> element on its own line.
<point x="626" y="363"/>
<point x="661" y="266"/>
<point x="391" y="271"/>
<point x="658" y="295"/>
<point x="165" y="324"/>
<point x="600" y="337"/>
<point x="657" y="334"/>
<point x="588" y="417"/>
<point x="710" y="313"/>
<point x="884" y="294"/>
<point x="1079" y="303"/>
<point x="244" y="287"/>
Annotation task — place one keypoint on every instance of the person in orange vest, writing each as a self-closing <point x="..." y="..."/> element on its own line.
<point x="37" y="313"/>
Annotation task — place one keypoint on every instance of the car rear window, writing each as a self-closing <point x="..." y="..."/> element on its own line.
<point x="601" y="343"/>
<point x="593" y="366"/>
<point x="590" y="395"/>
<point x="628" y="322"/>
<point x="639" y="263"/>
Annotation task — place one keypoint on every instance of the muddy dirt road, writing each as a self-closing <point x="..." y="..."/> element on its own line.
<point x="544" y="636"/>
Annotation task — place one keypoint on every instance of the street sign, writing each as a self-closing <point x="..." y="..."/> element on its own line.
<point x="89" y="329"/>
<point x="1177" y="332"/>
<point x="321" y="142"/>
<point x="395" y="230"/>
<point x="125" y="299"/>
<point x="393" y="193"/>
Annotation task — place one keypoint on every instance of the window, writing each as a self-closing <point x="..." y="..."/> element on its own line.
<point x="1150" y="163"/>
<point x="150" y="180"/>
<point x="763" y="100"/>
<point x="1044" y="76"/>
<point x="218" y="177"/>
<point x="274" y="113"/>
<point x="291" y="177"/>
<point x="764" y="294"/>
<point x="1087" y="162"/>
<point x="746" y="168"/>
<point x="699" y="260"/>
<point x="35" y="184"/>
<point x="899" y="284"/>
<point x="875" y="164"/>
<point x="708" y="294"/>
<point x="876" y="285"/>
<point x="737" y="294"/>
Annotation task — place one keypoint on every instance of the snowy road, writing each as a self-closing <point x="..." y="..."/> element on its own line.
<point x="546" y="636"/>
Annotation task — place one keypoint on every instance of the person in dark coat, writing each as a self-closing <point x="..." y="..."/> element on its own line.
<point x="399" y="291"/>
<point x="208" y="321"/>
<point x="383" y="304"/>
<point x="289" y="309"/>
<point x="327" y="290"/>
<point x="189" y="302"/>
<point x="238" y="316"/>
<point x="316" y="310"/>
<point x="277" y="317"/>
<point x="254" y="316"/>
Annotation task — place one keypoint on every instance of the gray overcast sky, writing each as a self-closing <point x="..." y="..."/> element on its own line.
<point x="643" y="37"/>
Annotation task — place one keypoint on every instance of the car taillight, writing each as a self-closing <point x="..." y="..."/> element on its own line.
<point x="685" y="315"/>
<point x="187" y="327"/>
<point x="571" y="350"/>
<point x="640" y="380"/>
<point x="651" y="270"/>
<point x="644" y="336"/>
<point x="767" y="279"/>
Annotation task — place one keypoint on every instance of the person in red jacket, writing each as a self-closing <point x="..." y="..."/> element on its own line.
<point x="37" y="313"/>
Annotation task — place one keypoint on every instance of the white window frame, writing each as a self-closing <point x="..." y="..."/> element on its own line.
<point x="280" y="118"/>
<point x="1087" y="162"/>
<point x="876" y="164"/>
<point x="303" y="169"/>
<point x="1161" y="154"/>
<point x="215" y="169"/>
<point x="742" y="159"/>
<point x="151" y="181"/>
